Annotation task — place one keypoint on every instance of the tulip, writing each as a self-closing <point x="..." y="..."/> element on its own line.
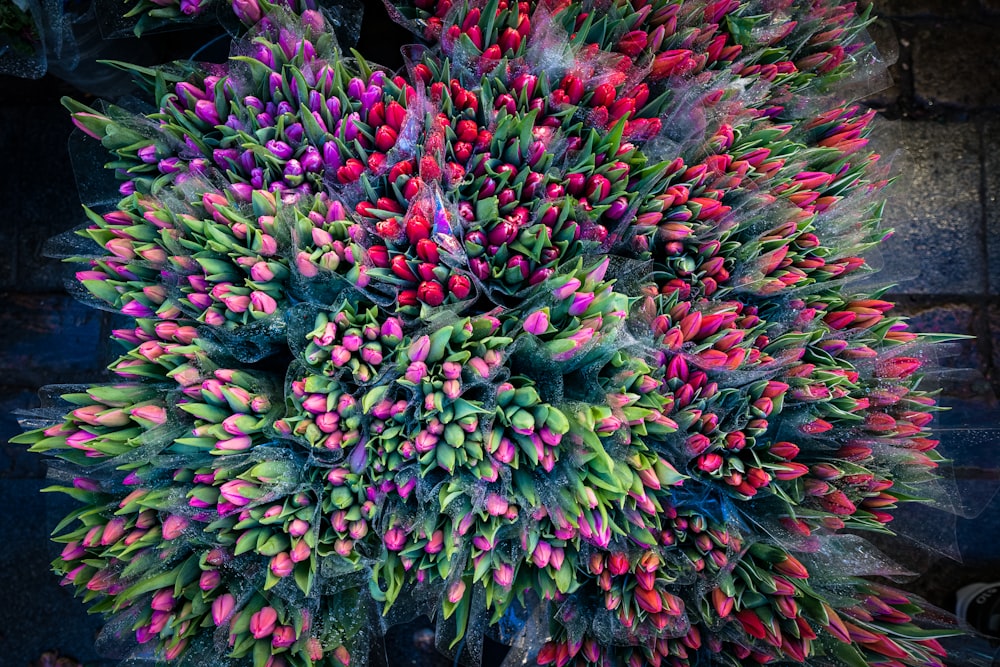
<point x="283" y="636"/>
<point x="537" y="322"/>
<point x="222" y="608"/>
<point x="503" y="575"/>
<point x="262" y="623"/>
<point x="456" y="591"/>
<point x="238" y="492"/>
<point x="173" y="527"/>
<point x="247" y="11"/>
<point x="394" y="539"/>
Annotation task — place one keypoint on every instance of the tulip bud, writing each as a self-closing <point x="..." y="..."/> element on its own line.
<point x="263" y="622"/>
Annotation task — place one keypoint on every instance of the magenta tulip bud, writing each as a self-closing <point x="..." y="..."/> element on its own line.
<point x="503" y="575"/>
<point x="298" y="528"/>
<point x="191" y="7"/>
<point x="147" y="154"/>
<point x="300" y="552"/>
<point x="72" y="551"/>
<point x="248" y="11"/>
<point x="163" y="600"/>
<point x="222" y="608"/>
<point x="419" y="349"/>
<point x="173" y="527"/>
<point x="542" y="554"/>
<point x="394" y="539"/>
<point x="504" y="232"/>
<point x="581" y="301"/>
<point x="416" y="371"/>
<point x="206" y="112"/>
<point x="496" y="505"/>
<point x="233" y="491"/>
<point x="262" y="623"/>
<point x="144" y="634"/>
<point x="113" y="531"/>
<point x="284" y="636"/>
<point x="567" y="289"/>
<point x="281" y="565"/>
<point x="456" y="591"/>
<point x="279" y="149"/>
<point x="209" y="579"/>
<point x="697" y="443"/>
<point x="263" y="302"/>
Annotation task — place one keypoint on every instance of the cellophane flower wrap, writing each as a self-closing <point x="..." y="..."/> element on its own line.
<point x="33" y="33"/>
<point x="555" y="336"/>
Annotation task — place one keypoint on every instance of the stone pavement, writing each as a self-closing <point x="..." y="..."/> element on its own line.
<point x="941" y="120"/>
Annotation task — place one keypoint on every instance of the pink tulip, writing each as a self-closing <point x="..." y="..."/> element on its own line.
<point x="262" y="623"/>
<point x="222" y="608"/>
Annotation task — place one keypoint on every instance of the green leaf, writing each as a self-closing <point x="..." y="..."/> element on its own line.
<point x="849" y="655"/>
<point x="303" y="574"/>
<point x="162" y="580"/>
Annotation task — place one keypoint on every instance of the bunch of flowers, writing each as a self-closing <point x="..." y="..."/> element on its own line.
<point x="17" y="29"/>
<point x="141" y="16"/>
<point x="32" y="32"/>
<point x="552" y="335"/>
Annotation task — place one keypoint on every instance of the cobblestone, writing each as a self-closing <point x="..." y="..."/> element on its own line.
<point x="15" y="461"/>
<point x="45" y="203"/>
<point x="38" y="614"/>
<point x="955" y="75"/>
<point x="49" y="338"/>
<point x="991" y="199"/>
<point x="952" y="318"/>
<point x="937" y="8"/>
<point x="935" y="211"/>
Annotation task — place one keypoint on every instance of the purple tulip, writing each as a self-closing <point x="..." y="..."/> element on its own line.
<point x="331" y="156"/>
<point x="238" y="492"/>
<point x="394" y="539"/>
<point x="283" y="637"/>
<point x="247" y="11"/>
<point x="209" y="580"/>
<point x="147" y="154"/>
<point x="279" y="149"/>
<point x="311" y="160"/>
<point x="581" y="301"/>
<point x="206" y="112"/>
<point x="567" y="289"/>
<point x="537" y="323"/>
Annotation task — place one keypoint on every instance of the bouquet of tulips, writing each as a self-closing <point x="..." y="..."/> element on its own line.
<point x="18" y="30"/>
<point x="552" y="336"/>
<point x="28" y="29"/>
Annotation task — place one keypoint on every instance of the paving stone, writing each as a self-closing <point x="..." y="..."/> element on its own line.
<point x="934" y="208"/>
<point x="912" y="8"/>
<point x="38" y="189"/>
<point x="952" y="65"/>
<point x="991" y="167"/>
<point x="38" y="614"/>
<point x="49" y="338"/>
<point x="8" y="257"/>
<point x="948" y="318"/>
<point x="994" y="327"/>
<point x="15" y="460"/>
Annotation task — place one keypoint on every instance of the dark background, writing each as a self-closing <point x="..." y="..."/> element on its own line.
<point x="940" y="121"/>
